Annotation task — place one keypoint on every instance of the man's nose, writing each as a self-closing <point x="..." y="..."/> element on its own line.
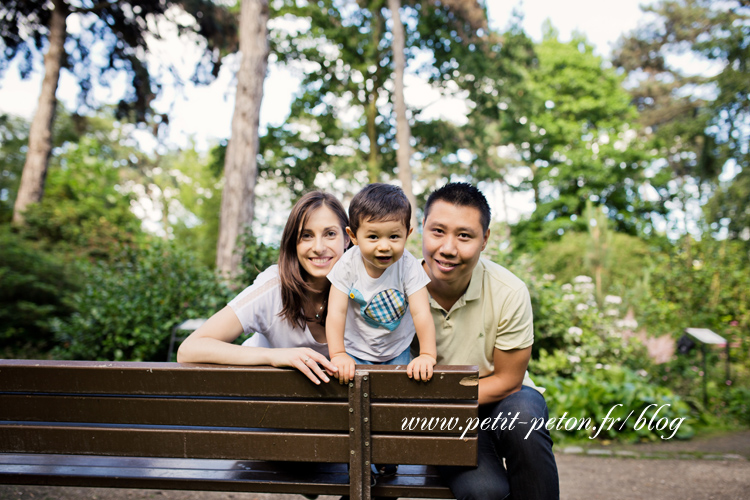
<point x="448" y="246"/>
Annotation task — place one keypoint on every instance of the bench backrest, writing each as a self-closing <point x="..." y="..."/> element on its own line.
<point x="240" y="413"/>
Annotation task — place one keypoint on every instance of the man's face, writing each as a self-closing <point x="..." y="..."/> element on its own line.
<point x="452" y="242"/>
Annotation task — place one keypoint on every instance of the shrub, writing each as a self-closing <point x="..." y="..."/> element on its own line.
<point x="127" y="309"/>
<point x="596" y="393"/>
<point x="34" y="284"/>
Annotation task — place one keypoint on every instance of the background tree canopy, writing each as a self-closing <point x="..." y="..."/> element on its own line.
<point x="636" y="172"/>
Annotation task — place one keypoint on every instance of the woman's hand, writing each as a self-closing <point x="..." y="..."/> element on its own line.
<point x="345" y="365"/>
<point x="305" y="360"/>
<point x="420" y="367"/>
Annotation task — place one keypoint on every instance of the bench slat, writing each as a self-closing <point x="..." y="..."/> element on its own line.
<point x="214" y="475"/>
<point x="320" y="415"/>
<point x="328" y="415"/>
<point x="170" y="379"/>
<point x="230" y="444"/>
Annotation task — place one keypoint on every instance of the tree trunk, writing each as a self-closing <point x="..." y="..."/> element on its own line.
<point x="240" y="166"/>
<point x="403" y="130"/>
<point x="34" y="173"/>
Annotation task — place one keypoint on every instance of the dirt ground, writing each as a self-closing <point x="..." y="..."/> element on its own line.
<point x="709" y="468"/>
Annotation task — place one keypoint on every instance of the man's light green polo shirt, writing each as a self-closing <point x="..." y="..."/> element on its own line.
<point x="495" y="312"/>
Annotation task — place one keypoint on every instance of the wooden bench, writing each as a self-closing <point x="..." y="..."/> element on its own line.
<point x="229" y="428"/>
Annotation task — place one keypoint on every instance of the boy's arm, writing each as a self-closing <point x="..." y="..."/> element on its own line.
<point x="420" y="367"/>
<point x="338" y="301"/>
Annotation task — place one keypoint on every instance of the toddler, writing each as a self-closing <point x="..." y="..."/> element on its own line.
<point x="378" y="295"/>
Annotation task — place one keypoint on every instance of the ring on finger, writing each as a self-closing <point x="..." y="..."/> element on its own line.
<point x="306" y="360"/>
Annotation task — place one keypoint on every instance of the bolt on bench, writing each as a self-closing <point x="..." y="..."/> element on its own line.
<point x="229" y="428"/>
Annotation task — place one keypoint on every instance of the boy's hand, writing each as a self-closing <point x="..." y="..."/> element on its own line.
<point x="345" y="365"/>
<point x="420" y="367"/>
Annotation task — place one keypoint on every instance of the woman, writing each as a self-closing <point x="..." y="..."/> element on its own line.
<point x="286" y="306"/>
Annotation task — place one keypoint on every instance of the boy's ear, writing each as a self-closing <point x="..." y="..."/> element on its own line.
<point x="352" y="236"/>
<point x="411" y="230"/>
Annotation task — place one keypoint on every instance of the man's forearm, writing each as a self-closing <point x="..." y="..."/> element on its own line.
<point x="493" y="389"/>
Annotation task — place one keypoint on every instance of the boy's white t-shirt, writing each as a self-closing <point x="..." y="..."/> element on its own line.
<point x="379" y="325"/>
<point x="258" y="307"/>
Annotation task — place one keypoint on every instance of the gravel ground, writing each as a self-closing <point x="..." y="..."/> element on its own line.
<point x="678" y="473"/>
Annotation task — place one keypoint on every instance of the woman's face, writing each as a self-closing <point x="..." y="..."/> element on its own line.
<point x="320" y="244"/>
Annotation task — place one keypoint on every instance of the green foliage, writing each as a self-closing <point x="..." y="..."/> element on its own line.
<point x="83" y="209"/>
<point x="596" y="394"/>
<point x="127" y="309"/>
<point x="257" y="257"/>
<point x="621" y="261"/>
<point x="573" y="334"/>
<point x="34" y="288"/>
<point x="580" y="146"/>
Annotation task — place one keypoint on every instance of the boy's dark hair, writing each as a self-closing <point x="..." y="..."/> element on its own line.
<point x="379" y="202"/>
<point x="463" y="195"/>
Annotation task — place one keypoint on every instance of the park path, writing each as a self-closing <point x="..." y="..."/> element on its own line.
<point x="711" y="468"/>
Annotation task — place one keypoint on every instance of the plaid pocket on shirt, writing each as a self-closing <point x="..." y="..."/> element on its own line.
<point x="387" y="307"/>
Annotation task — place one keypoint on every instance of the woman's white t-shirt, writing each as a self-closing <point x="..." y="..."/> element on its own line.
<point x="258" y="307"/>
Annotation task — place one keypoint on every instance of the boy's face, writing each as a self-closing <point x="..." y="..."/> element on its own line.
<point x="381" y="243"/>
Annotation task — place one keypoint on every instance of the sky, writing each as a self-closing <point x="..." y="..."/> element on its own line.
<point x="202" y="115"/>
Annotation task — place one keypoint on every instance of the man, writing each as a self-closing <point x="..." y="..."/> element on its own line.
<point x="483" y="317"/>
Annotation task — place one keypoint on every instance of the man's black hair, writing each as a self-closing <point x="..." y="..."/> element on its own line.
<point x="379" y="202"/>
<point x="463" y="195"/>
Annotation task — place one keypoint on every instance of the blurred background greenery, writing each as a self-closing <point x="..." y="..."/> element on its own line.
<point x="638" y="173"/>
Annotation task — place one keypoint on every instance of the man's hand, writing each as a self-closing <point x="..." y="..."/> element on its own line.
<point x="345" y="365"/>
<point x="420" y="367"/>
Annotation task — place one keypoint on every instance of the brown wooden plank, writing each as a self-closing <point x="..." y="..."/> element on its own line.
<point x="319" y="415"/>
<point x="169" y="379"/>
<point x="416" y="418"/>
<point x="215" y="444"/>
<point x="93" y="377"/>
<point x="210" y="475"/>
<point x="429" y="450"/>
<point x="170" y="442"/>
<point x="448" y="382"/>
<point x="423" y="417"/>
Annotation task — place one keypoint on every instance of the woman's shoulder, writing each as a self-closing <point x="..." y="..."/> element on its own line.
<point x="266" y="284"/>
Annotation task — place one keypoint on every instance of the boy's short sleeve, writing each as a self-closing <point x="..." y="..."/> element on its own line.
<point x="341" y="273"/>
<point x="415" y="278"/>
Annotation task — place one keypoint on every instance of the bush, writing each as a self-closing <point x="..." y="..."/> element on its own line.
<point x="126" y="310"/>
<point x="34" y="287"/>
<point x="596" y="393"/>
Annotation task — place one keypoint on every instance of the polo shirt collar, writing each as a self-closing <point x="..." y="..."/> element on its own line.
<point x="472" y="293"/>
<point x="475" y="285"/>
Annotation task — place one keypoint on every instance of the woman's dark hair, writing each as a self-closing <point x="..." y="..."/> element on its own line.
<point x="295" y="291"/>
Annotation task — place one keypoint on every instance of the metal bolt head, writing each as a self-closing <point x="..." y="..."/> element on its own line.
<point x="365" y="394"/>
<point x="352" y="452"/>
<point x="351" y="410"/>
<point x="351" y="429"/>
<point x="351" y="384"/>
<point x="367" y="463"/>
<point x="364" y="378"/>
<point x="367" y="443"/>
<point x="367" y="419"/>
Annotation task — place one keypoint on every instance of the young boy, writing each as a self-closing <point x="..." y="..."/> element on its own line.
<point x="375" y="285"/>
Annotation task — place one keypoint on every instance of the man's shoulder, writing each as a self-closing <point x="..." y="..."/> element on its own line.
<point x="498" y="276"/>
